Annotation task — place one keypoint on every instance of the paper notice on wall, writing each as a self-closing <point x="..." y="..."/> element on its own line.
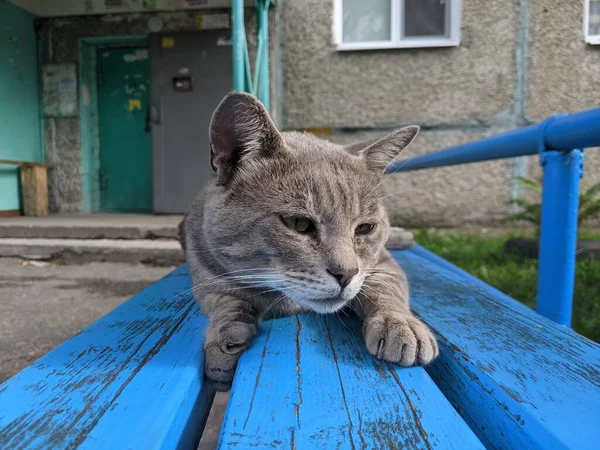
<point x="212" y="21"/>
<point x="59" y="90"/>
<point x="138" y="55"/>
<point x="135" y="103"/>
<point x="190" y="3"/>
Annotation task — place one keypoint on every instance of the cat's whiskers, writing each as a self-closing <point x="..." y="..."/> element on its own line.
<point x="402" y="192"/>
<point x="386" y="177"/>
<point x="202" y="252"/>
<point x="388" y="280"/>
<point x="277" y="300"/>
<point x="228" y="274"/>
<point x="340" y="319"/>
<point x="368" y="293"/>
<point x="310" y="311"/>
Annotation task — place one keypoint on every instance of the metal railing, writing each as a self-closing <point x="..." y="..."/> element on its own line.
<point x="559" y="141"/>
<point x="243" y="80"/>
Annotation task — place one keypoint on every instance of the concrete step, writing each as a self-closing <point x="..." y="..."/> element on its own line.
<point x="159" y="252"/>
<point x="91" y="226"/>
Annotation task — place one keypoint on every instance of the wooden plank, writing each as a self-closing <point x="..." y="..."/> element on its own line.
<point x="520" y="380"/>
<point x="34" y="190"/>
<point x="133" y="379"/>
<point x="308" y="382"/>
<point x="10" y="213"/>
<point x="11" y="162"/>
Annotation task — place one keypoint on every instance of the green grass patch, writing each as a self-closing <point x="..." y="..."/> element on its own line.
<point x="483" y="257"/>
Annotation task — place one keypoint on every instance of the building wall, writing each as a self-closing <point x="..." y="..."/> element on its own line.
<point x="564" y="71"/>
<point x="19" y="94"/>
<point x="519" y="61"/>
<point x="468" y="84"/>
<point x="60" y="37"/>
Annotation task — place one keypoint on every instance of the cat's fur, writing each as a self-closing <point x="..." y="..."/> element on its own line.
<point x="247" y="265"/>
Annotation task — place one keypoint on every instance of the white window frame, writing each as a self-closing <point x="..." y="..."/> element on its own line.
<point x="397" y="41"/>
<point x="592" y="39"/>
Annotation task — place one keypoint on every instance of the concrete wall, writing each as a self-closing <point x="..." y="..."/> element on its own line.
<point x="468" y="84"/>
<point x="564" y="71"/>
<point x="519" y="61"/>
<point x="19" y="94"/>
<point x="60" y="37"/>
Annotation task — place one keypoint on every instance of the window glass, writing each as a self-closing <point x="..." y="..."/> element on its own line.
<point x="425" y="18"/>
<point x="366" y="21"/>
<point x="594" y="18"/>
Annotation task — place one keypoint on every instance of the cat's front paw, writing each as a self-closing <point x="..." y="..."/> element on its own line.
<point x="399" y="338"/>
<point x="223" y="347"/>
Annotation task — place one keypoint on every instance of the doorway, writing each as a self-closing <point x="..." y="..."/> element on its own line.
<point x="118" y="176"/>
<point x="123" y="77"/>
<point x="191" y="73"/>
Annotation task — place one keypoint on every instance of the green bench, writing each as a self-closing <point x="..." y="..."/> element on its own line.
<point x="506" y="378"/>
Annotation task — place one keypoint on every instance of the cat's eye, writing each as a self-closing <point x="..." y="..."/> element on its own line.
<point x="299" y="224"/>
<point x="364" y="228"/>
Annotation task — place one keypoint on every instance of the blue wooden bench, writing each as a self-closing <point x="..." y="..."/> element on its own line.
<point x="506" y="378"/>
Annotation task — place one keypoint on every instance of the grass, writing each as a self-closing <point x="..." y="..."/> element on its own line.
<point x="483" y="257"/>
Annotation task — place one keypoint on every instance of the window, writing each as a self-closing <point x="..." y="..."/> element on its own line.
<point x="376" y="24"/>
<point x="591" y="22"/>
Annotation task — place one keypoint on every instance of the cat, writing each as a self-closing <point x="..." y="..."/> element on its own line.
<point x="291" y="224"/>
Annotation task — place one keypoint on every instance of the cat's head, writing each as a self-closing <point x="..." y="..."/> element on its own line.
<point x="293" y="213"/>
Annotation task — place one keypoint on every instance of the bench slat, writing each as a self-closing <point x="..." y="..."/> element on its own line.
<point x="308" y="382"/>
<point x="133" y="379"/>
<point x="520" y="380"/>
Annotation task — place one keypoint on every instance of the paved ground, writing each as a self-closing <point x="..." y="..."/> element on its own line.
<point x="41" y="306"/>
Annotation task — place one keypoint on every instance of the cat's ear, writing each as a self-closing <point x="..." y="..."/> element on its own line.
<point x="379" y="153"/>
<point x="240" y="129"/>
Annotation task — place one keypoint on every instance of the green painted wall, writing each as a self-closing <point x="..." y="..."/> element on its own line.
<point x="19" y="99"/>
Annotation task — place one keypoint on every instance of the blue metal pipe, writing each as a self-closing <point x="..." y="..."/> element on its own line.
<point x="558" y="236"/>
<point x="262" y="63"/>
<point x="239" y="44"/>
<point x="524" y="141"/>
<point x="579" y="130"/>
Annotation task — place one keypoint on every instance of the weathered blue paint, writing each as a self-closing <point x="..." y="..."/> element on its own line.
<point x="558" y="234"/>
<point x="474" y="281"/>
<point x="517" y="378"/>
<point x="565" y="133"/>
<point x="133" y="379"/>
<point x="308" y="382"/>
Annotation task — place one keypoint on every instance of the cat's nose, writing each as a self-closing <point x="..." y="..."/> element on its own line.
<point x="344" y="277"/>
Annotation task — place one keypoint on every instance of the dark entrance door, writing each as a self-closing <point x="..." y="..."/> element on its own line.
<point x="125" y="142"/>
<point x="191" y="73"/>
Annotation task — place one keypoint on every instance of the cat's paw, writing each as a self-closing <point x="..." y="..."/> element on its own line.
<point x="399" y="338"/>
<point x="399" y="239"/>
<point x="223" y="347"/>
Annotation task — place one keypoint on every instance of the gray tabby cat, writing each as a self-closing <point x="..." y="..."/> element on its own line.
<point x="292" y="224"/>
